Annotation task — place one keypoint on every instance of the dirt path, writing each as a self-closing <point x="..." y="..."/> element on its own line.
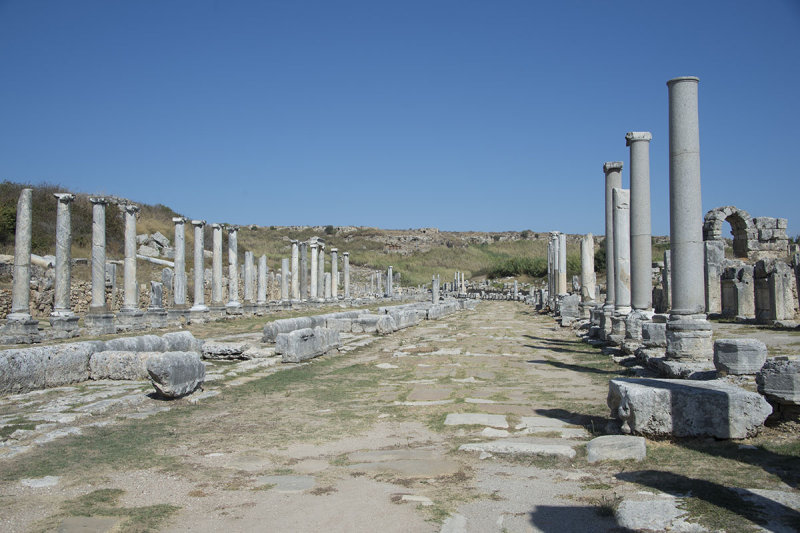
<point x="366" y="440"/>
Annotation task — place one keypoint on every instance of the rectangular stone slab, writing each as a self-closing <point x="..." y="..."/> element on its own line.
<point x="685" y="408"/>
<point x="307" y="343"/>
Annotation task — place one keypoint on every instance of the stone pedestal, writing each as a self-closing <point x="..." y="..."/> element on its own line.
<point x="156" y="315"/>
<point x="99" y="323"/>
<point x="130" y="320"/>
<point x="689" y="337"/>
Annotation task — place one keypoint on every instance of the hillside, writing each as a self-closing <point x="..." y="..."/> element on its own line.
<point x="416" y="254"/>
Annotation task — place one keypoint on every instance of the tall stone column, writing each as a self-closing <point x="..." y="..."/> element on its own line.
<point x="640" y="238"/>
<point x="261" y="298"/>
<point x="20" y="327"/>
<point x="321" y="272"/>
<point x="99" y="321"/>
<point x="295" y="272"/>
<point x="346" y="275"/>
<point x="435" y="290"/>
<point x="389" y="280"/>
<point x="622" y="264"/>
<point x="63" y="321"/>
<point x="613" y="175"/>
<point x="328" y="285"/>
<point x="285" y="280"/>
<point x="179" y="281"/>
<point x="334" y="273"/>
<point x="313" y="285"/>
<point x="130" y="316"/>
<point x="249" y="293"/>
<point x="587" y="269"/>
<point x="199" y="310"/>
<point x="562" y="265"/>
<point x="688" y="331"/>
<point x="304" y="271"/>
<point x="233" y="307"/>
<point x="551" y="267"/>
<point x="217" y="303"/>
<point x="378" y="284"/>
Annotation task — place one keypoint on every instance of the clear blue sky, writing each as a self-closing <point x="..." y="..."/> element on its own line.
<point x="485" y="115"/>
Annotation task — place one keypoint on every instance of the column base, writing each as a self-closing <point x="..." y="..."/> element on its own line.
<point x="100" y="323"/>
<point x="607" y="312"/>
<point x="64" y="326"/>
<point x="249" y="308"/>
<point x="177" y="315"/>
<point x="233" y="308"/>
<point x="20" y="328"/>
<point x="130" y="320"/>
<point x="216" y="311"/>
<point x="156" y="318"/>
<point x="689" y="338"/>
<point x="617" y="334"/>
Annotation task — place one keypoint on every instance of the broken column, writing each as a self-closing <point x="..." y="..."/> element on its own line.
<point x="334" y="273"/>
<point x="713" y="259"/>
<point x="613" y="174"/>
<point x="233" y="307"/>
<point x="130" y="316"/>
<point x="99" y="321"/>
<point x="156" y="315"/>
<point x="217" y="304"/>
<point x="622" y="264"/>
<point x="261" y="297"/>
<point x="587" y="274"/>
<point x="295" y="272"/>
<point x="199" y="310"/>
<point x="346" y="260"/>
<point x="285" y="281"/>
<point x="63" y="321"/>
<point x="249" y="292"/>
<point x="20" y="327"/>
<point x="688" y="331"/>
<point x="179" y="280"/>
<point x="321" y="272"/>
<point x="313" y="285"/>
<point x="389" y="280"/>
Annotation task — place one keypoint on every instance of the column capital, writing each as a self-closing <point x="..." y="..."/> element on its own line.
<point x="346" y="253"/>
<point x="334" y="250"/>
<point x="314" y="245"/>
<point x="64" y="197"/>
<point x="99" y="200"/>
<point x="694" y="79"/>
<point x="633" y="136"/>
<point x="179" y="220"/>
<point x="232" y="228"/>
<point x="198" y="223"/>
<point x="130" y="208"/>
<point x="217" y="226"/>
<point x="294" y="241"/>
<point x="610" y="166"/>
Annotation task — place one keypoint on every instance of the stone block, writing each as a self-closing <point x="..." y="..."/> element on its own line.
<point x="139" y="343"/>
<point x="147" y="250"/>
<point x="287" y="325"/>
<point x="654" y="334"/>
<point x="27" y="369"/>
<point x="307" y="343"/>
<point x="119" y="365"/>
<point x="616" y="448"/>
<point x="181" y="341"/>
<point x="380" y="324"/>
<point x="176" y="374"/>
<point x="224" y="350"/>
<point x="739" y="356"/>
<point x="405" y="318"/>
<point x="339" y="324"/>
<point x="779" y="380"/>
<point x="681" y="408"/>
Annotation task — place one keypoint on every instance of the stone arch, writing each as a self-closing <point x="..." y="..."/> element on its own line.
<point x="745" y="234"/>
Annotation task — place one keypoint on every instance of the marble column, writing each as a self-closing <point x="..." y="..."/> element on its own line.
<point x="321" y="272"/>
<point x="156" y="315"/>
<point x="334" y="273"/>
<point x="249" y="293"/>
<point x="622" y="265"/>
<point x="551" y="266"/>
<point x="217" y="303"/>
<point x="613" y="177"/>
<point x="179" y="281"/>
<point x="261" y="297"/>
<point x="435" y="290"/>
<point x="389" y="281"/>
<point x="99" y="321"/>
<point x="304" y="271"/>
<point x="562" y="265"/>
<point x="346" y="260"/>
<point x="295" y="272"/>
<point x="233" y="307"/>
<point x="130" y="316"/>
<point x="199" y="308"/>
<point x="285" y="280"/>
<point x="20" y="327"/>
<point x="63" y="321"/>
<point x="688" y="331"/>
<point x="313" y="285"/>
<point x="640" y="238"/>
<point x="378" y="284"/>
<point x="328" y="286"/>
<point x="588" y="287"/>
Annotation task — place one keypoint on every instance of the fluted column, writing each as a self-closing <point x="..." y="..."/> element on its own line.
<point x="346" y="260"/>
<point x="640" y="238"/>
<point x="688" y="332"/>
<point x="233" y="306"/>
<point x="179" y="280"/>
<point x="334" y="273"/>
<point x="313" y="285"/>
<point x="198" y="304"/>
<point x="216" y="267"/>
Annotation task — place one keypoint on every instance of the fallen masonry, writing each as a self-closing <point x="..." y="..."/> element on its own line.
<point x="303" y="344"/>
<point x="176" y="374"/>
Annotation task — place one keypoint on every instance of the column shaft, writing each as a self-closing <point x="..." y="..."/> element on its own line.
<point x="622" y="251"/>
<point x="347" y="274"/>
<point x="179" y="280"/>
<point x="233" y="269"/>
<point x="295" y="272"/>
<point x="216" y="266"/>
<point x="613" y="173"/>
<point x="199" y="269"/>
<point x="587" y="268"/>
<point x="21" y="288"/>
<point x="335" y="273"/>
<point x="285" y="279"/>
<point x="130" y="298"/>
<point x="98" y="255"/>
<point x="641" y="247"/>
<point x="313" y="285"/>
<point x="262" y="280"/>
